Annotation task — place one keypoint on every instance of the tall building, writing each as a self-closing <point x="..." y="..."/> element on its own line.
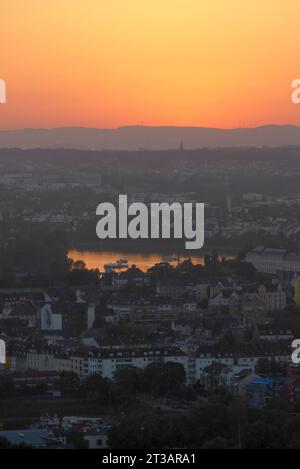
<point x="297" y="291"/>
<point x="228" y="203"/>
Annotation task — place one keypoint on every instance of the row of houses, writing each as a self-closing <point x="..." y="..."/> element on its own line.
<point x="107" y="362"/>
<point x="272" y="297"/>
<point x="271" y="261"/>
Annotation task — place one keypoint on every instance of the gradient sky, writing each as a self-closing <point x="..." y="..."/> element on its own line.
<point x="107" y="63"/>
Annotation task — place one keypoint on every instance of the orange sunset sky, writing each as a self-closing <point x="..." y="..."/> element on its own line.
<point x="108" y="63"/>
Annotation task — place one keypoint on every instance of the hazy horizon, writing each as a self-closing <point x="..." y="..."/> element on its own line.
<point x="150" y="137"/>
<point x="17" y="129"/>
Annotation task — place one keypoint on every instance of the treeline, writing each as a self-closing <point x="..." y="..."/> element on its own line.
<point x="41" y="260"/>
<point x="213" y="267"/>
<point x="142" y="397"/>
<point x="210" y="425"/>
<point x="157" y="380"/>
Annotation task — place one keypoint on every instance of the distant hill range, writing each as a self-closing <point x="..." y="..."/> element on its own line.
<point x="150" y="138"/>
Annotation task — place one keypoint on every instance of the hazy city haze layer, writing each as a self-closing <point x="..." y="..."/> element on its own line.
<point x="149" y="138"/>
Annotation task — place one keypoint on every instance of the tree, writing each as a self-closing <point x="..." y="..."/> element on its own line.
<point x="261" y="435"/>
<point x="79" y="265"/>
<point x="69" y="383"/>
<point x="207" y="421"/>
<point x="98" y="389"/>
<point x="82" y="277"/>
<point x="140" y="431"/>
<point x="161" y="270"/>
<point x="100" y="312"/>
<point x="161" y="379"/>
<point x="128" y="381"/>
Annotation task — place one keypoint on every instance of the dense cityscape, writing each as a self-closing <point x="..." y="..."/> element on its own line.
<point x="102" y="357"/>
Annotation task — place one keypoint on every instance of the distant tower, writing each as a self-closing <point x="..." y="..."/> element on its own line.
<point x="181" y="146"/>
<point x="228" y="203"/>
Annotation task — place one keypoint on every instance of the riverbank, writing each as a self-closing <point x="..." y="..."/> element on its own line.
<point x="143" y="259"/>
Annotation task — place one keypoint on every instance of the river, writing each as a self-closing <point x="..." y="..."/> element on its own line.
<point x="97" y="259"/>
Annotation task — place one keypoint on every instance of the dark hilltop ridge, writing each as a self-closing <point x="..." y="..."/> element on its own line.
<point x="150" y="138"/>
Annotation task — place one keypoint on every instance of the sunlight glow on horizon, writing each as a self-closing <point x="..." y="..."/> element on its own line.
<point x="109" y="63"/>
